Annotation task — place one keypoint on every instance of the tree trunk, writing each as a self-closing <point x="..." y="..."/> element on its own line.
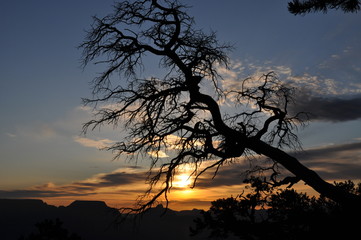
<point x="305" y="174"/>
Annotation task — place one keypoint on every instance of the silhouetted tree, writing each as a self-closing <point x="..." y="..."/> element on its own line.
<point x="302" y="7"/>
<point x="176" y="111"/>
<point x="50" y="230"/>
<point x="280" y="214"/>
<point x="239" y="216"/>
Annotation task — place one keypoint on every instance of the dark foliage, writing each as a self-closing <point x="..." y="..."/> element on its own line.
<point x="51" y="230"/>
<point x="271" y="213"/>
<point x="302" y="7"/>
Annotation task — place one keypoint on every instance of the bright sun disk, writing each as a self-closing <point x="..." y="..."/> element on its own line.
<point x="182" y="181"/>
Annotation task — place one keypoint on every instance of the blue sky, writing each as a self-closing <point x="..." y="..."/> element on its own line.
<point x="42" y="83"/>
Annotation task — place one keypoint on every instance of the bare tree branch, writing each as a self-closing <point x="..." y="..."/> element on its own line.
<point x="154" y="110"/>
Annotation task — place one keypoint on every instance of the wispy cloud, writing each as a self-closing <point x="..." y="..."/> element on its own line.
<point x="238" y="71"/>
<point x="344" y="66"/>
<point x="39" y="131"/>
<point x="11" y="135"/>
<point x="120" y="177"/>
<point x="341" y="161"/>
<point x="87" y="142"/>
<point x="130" y="179"/>
<point x="158" y="154"/>
<point x="41" y="193"/>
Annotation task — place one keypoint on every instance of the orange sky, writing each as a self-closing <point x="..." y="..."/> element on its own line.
<point x="122" y="187"/>
<point x="106" y="187"/>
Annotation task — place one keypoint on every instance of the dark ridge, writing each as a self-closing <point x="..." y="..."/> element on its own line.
<point x="93" y="220"/>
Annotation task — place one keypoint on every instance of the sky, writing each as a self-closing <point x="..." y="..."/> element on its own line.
<point x="43" y="154"/>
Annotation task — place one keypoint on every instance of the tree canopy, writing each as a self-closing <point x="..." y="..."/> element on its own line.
<point x="303" y="7"/>
<point x="267" y="212"/>
<point x="182" y="110"/>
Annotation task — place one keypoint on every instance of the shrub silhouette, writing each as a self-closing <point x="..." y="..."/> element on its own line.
<point x="268" y="212"/>
<point x="50" y="230"/>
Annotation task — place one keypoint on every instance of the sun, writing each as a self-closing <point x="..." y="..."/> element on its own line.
<point x="182" y="181"/>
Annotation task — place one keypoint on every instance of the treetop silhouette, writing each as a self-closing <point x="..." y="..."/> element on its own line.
<point x="153" y="110"/>
<point x="303" y="7"/>
<point x="267" y="212"/>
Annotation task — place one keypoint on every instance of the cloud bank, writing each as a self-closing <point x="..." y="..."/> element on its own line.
<point x="333" y="109"/>
<point x="324" y="98"/>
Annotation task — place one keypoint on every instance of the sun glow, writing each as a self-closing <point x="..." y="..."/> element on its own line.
<point x="182" y="181"/>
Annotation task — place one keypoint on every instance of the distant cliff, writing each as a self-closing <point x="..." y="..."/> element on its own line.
<point x="92" y="220"/>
